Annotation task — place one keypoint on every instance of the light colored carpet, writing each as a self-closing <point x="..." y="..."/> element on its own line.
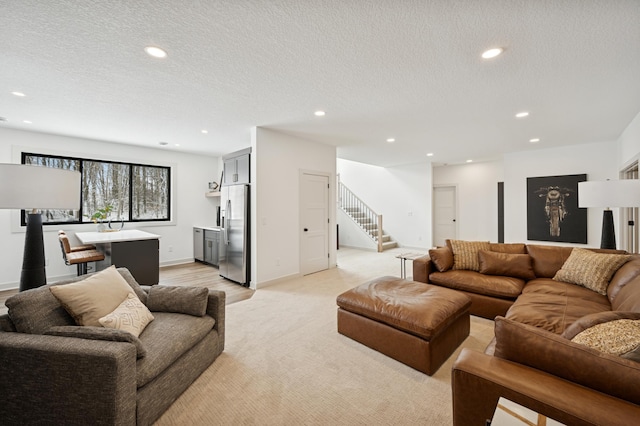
<point x="285" y="363"/>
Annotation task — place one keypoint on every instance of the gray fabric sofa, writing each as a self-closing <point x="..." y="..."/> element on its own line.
<point x="91" y="379"/>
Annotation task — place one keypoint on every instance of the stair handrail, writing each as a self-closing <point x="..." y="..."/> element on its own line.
<point x="348" y="200"/>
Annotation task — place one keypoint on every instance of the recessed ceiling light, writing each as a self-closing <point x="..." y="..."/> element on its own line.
<point x="391" y="140"/>
<point x="156" y="52"/>
<point x="319" y="113"/>
<point x="430" y="154"/>
<point x="177" y="144"/>
<point x="492" y="53"/>
<point x="204" y="131"/>
<point x="163" y="143"/>
<point x="534" y="140"/>
<point x="27" y="122"/>
<point x="19" y="94"/>
<point x="522" y="114"/>
<point x="469" y="161"/>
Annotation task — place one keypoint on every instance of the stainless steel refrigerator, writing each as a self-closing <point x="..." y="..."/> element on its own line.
<point x="234" y="233"/>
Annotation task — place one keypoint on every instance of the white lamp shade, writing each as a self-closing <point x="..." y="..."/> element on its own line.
<point x="609" y="193"/>
<point x="37" y="187"/>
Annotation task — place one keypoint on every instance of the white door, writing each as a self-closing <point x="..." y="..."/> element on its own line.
<point x="314" y="223"/>
<point x="444" y="214"/>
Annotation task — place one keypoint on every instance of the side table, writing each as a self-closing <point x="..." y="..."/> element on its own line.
<point x="403" y="262"/>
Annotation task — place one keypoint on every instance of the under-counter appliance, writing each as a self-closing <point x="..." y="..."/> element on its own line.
<point x="234" y="233"/>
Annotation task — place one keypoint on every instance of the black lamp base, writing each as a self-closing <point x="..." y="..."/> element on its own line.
<point x="33" y="262"/>
<point x="608" y="240"/>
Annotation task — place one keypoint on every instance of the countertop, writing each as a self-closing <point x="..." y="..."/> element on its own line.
<point x="115" y="236"/>
<point x="208" y="228"/>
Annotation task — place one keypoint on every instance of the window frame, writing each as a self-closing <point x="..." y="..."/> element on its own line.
<point x="130" y="219"/>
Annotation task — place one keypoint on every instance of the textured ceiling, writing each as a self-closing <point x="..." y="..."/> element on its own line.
<point x="386" y="68"/>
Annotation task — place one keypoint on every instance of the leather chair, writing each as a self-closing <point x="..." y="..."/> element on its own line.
<point x="78" y="255"/>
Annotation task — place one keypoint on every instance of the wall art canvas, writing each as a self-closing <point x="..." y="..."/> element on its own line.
<point x="552" y="209"/>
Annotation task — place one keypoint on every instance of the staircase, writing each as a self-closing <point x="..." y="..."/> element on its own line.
<point x="365" y="217"/>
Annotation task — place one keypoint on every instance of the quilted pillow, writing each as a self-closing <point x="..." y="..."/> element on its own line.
<point x="591" y="270"/>
<point x="619" y="337"/>
<point x="505" y="264"/>
<point x="131" y="316"/>
<point x="465" y="254"/>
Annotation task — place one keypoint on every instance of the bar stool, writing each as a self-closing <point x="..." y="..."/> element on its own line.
<point x="78" y="255"/>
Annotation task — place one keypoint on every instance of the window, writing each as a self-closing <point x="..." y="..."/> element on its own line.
<point x="131" y="192"/>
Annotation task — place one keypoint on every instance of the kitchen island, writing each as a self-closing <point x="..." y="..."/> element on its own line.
<point x="136" y="250"/>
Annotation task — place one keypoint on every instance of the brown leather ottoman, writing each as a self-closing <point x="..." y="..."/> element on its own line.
<point x="417" y="324"/>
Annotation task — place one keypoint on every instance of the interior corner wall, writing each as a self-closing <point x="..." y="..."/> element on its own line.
<point x="477" y="197"/>
<point x="629" y="143"/>
<point x="402" y="195"/>
<point x="597" y="160"/>
<point x="190" y="177"/>
<point x="277" y="160"/>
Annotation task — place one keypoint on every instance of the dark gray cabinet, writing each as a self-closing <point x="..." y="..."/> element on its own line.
<point x="211" y="242"/>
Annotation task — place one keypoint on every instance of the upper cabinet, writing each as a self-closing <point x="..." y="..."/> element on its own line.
<point x="236" y="167"/>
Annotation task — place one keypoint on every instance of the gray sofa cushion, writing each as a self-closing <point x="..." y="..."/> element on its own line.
<point x="35" y="311"/>
<point x="181" y="300"/>
<point x="167" y="338"/>
<point x="98" y="333"/>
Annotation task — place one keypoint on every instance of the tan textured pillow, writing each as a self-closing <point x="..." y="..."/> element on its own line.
<point x="94" y="297"/>
<point x="442" y="258"/>
<point x="619" y="337"/>
<point x="591" y="270"/>
<point x="465" y="253"/>
<point x="506" y="264"/>
<point x="131" y="316"/>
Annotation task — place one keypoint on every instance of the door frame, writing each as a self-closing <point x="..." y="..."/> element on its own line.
<point x="331" y="202"/>
<point x="433" y="209"/>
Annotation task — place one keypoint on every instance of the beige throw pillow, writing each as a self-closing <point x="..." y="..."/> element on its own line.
<point x="620" y="337"/>
<point x="94" y="297"/>
<point x="590" y="269"/>
<point x="130" y="316"/>
<point x="465" y="253"/>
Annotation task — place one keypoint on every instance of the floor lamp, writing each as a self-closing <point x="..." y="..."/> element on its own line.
<point x="607" y="194"/>
<point x="36" y="187"/>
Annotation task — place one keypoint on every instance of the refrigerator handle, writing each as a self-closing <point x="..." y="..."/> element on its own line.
<point x="226" y="229"/>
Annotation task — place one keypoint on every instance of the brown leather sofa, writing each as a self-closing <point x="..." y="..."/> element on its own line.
<point x="532" y="360"/>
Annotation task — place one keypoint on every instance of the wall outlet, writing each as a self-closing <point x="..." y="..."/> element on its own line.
<point x="170" y="249"/>
<point x="410" y="214"/>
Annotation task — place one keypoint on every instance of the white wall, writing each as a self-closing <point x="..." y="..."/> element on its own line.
<point x="629" y="143"/>
<point x="277" y="160"/>
<point x="402" y="195"/>
<point x="597" y="160"/>
<point x="190" y="177"/>
<point x="477" y="197"/>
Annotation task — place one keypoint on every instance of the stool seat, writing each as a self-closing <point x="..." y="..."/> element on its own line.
<point x="78" y="255"/>
<point x="417" y="324"/>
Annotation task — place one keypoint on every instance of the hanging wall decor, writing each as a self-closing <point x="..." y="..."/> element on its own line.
<point x="552" y="209"/>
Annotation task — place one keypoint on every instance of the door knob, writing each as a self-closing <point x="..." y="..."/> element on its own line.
<point x="305" y="229"/>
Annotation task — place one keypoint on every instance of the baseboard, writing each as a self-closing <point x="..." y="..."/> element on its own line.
<point x="358" y="248"/>
<point x="16" y="285"/>
<point x="177" y="262"/>
<point x="264" y="284"/>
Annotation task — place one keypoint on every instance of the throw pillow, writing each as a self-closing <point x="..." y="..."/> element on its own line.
<point x="505" y="264"/>
<point x="591" y="270"/>
<point x="619" y="337"/>
<point x="588" y="321"/>
<point x="182" y="300"/>
<point x="99" y="333"/>
<point x="130" y="316"/>
<point x="94" y="297"/>
<point x="35" y="311"/>
<point x="442" y="258"/>
<point x="465" y="254"/>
